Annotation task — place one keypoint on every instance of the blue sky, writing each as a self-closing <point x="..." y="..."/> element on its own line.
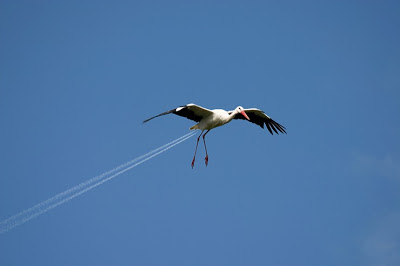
<point x="78" y="77"/>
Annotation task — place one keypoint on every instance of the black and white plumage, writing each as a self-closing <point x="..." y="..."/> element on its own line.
<point x="190" y="111"/>
<point x="209" y="119"/>
<point x="258" y="117"/>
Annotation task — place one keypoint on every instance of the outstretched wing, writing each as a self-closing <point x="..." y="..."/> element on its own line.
<point x="260" y="118"/>
<point x="190" y="111"/>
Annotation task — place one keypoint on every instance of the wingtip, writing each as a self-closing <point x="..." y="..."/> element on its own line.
<point x="147" y="120"/>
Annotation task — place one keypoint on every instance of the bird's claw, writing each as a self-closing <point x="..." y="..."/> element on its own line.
<point x="206" y="160"/>
<point x="193" y="163"/>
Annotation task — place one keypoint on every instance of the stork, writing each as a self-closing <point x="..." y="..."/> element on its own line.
<point x="209" y="119"/>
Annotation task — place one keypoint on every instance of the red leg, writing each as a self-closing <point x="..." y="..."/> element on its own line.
<point x="204" y="140"/>
<point x="195" y="151"/>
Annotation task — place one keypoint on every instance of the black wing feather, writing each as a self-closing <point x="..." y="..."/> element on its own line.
<point x="269" y="129"/>
<point x="183" y="111"/>
<point x="260" y="118"/>
<point x="165" y="113"/>
<point x="187" y="113"/>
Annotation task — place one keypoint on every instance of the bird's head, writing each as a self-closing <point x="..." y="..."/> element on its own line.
<point x="240" y="110"/>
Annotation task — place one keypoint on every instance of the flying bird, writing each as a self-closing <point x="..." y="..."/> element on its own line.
<point x="209" y="119"/>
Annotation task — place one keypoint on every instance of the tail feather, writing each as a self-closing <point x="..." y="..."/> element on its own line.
<point x="195" y="127"/>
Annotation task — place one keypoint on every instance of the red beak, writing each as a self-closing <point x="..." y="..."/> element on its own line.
<point x="244" y="114"/>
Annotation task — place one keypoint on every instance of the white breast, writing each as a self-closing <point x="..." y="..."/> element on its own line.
<point x="218" y="118"/>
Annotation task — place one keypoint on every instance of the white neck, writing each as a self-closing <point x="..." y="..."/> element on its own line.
<point x="232" y="115"/>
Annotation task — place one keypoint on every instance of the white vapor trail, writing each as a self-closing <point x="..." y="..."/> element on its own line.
<point x="88" y="182"/>
<point x="63" y="197"/>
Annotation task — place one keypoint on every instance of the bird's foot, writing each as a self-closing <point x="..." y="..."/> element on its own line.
<point x="206" y="160"/>
<point x="193" y="163"/>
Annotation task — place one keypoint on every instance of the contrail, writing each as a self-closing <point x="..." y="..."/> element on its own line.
<point x="88" y="182"/>
<point x="83" y="187"/>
